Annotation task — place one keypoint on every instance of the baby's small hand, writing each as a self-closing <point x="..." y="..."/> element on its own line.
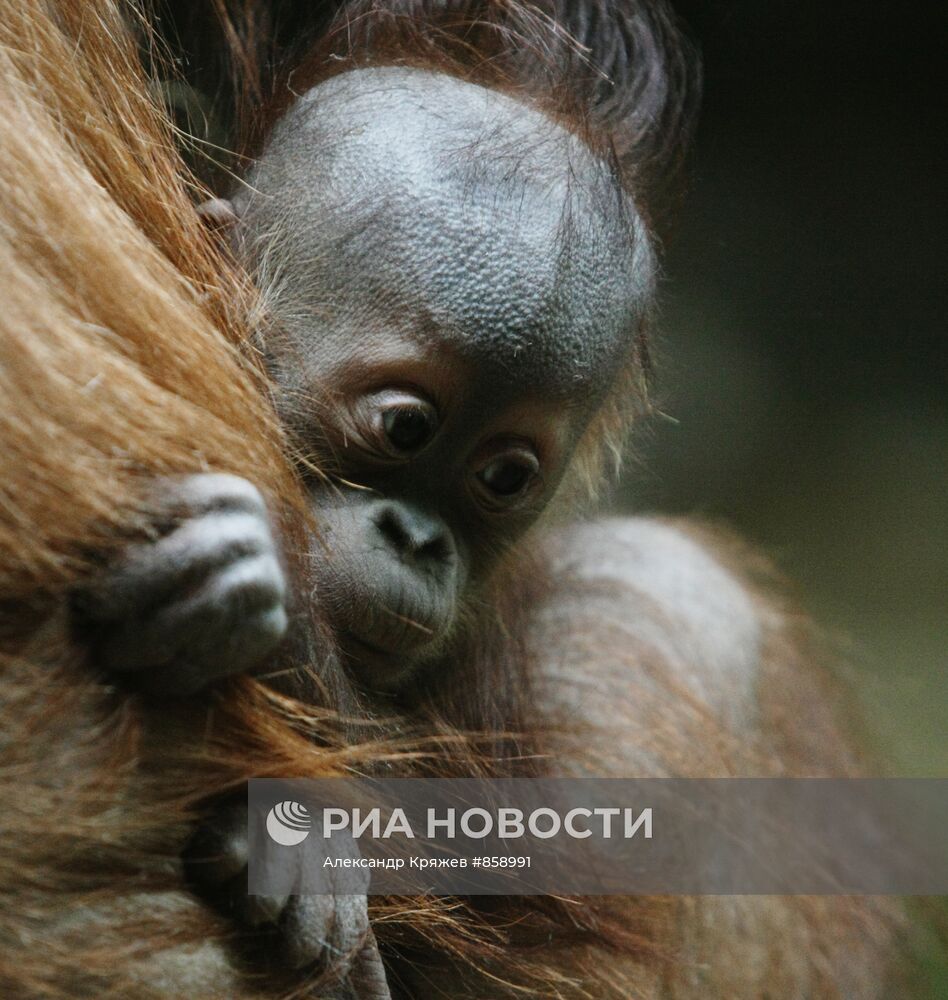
<point x="329" y="932"/>
<point x="204" y="600"/>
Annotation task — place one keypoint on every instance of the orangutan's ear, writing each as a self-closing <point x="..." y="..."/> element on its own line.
<point x="218" y="214"/>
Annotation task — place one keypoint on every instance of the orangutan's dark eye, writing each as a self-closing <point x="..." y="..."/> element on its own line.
<point x="409" y="427"/>
<point x="506" y="478"/>
<point x="395" y="423"/>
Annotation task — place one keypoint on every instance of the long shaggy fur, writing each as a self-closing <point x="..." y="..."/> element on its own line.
<point x="122" y="357"/>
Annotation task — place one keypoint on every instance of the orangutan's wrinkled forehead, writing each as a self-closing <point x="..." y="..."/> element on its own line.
<point x="401" y="200"/>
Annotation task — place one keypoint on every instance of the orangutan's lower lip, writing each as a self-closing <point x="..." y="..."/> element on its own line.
<point x="401" y="644"/>
<point x="348" y="639"/>
<point x="372" y="655"/>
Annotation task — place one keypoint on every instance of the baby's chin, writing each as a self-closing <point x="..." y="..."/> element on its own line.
<point x="386" y="670"/>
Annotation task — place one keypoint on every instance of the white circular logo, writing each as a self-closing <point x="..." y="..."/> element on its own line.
<point x="288" y="823"/>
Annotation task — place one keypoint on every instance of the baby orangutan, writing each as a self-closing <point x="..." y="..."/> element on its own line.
<point x="452" y="297"/>
<point x="454" y="284"/>
<point x="451" y="301"/>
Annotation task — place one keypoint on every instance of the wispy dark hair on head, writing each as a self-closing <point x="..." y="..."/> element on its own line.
<point x="620" y="73"/>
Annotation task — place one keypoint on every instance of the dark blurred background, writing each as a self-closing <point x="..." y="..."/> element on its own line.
<point x="803" y="353"/>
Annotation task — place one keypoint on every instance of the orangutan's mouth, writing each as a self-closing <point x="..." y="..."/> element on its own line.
<point x="380" y="668"/>
<point x="390" y="635"/>
<point x="360" y="645"/>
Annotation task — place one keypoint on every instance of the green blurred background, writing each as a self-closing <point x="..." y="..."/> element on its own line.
<point x="803" y="351"/>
